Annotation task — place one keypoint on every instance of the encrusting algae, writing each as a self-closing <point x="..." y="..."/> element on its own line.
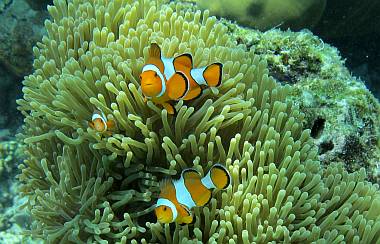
<point x="10" y="155"/>
<point x="86" y="187"/>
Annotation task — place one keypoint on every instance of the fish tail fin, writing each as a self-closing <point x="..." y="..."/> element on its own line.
<point x="170" y="108"/>
<point x="213" y="74"/>
<point x="111" y="124"/>
<point x="220" y="176"/>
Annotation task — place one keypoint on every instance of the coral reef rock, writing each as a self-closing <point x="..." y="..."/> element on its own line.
<point x="10" y="155"/>
<point x="340" y="111"/>
<point x="82" y="186"/>
<point x="21" y="27"/>
<point x="13" y="220"/>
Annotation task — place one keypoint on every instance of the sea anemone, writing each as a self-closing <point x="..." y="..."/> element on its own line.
<point x="83" y="186"/>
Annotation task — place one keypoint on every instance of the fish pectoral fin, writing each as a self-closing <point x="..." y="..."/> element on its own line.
<point x="169" y="107"/>
<point x="177" y="86"/>
<point x="183" y="60"/>
<point x="193" y="93"/>
<point x="186" y="209"/>
<point x="154" y="51"/>
<point x="188" y="218"/>
<point x="213" y="74"/>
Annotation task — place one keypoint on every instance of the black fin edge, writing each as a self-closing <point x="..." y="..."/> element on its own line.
<point x="171" y="103"/>
<point x="186" y="208"/>
<point x="209" y="200"/>
<point x="193" y="221"/>
<point x="187" y="83"/>
<point x="220" y="74"/>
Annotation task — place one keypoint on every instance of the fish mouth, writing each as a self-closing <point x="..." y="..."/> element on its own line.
<point x="147" y="83"/>
<point x="160" y="220"/>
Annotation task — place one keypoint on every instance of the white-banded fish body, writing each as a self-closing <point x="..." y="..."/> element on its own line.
<point x="166" y="80"/>
<point x="178" y="197"/>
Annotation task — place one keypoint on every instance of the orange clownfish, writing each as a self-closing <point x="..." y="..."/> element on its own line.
<point x="100" y="123"/>
<point x="178" y="197"/>
<point x="164" y="80"/>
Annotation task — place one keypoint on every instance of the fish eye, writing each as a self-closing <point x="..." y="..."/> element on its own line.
<point x="155" y="74"/>
<point x="164" y="208"/>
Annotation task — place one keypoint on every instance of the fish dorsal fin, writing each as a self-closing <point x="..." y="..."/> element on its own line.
<point x="97" y="111"/>
<point x="166" y="188"/>
<point x="190" y="174"/>
<point x="169" y="107"/>
<point x="91" y="124"/>
<point x="185" y="60"/>
<point x="154" y="51"/>
<point x="188" y="218"/>
<point x="177" y="86"/>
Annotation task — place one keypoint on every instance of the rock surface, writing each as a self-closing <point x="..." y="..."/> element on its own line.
<point x="13" y="220"/>
<point x="21" y="27"/>
<point x="341" y="112"/>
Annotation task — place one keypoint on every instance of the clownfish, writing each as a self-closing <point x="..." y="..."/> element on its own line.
<point x="100" y="123"/>
<point x="178" y="197"/>
<point x="164" y="80"/>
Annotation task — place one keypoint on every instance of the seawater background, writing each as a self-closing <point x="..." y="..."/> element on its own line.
<point x="21" y="26"/>
<point x="354" y="28"/>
